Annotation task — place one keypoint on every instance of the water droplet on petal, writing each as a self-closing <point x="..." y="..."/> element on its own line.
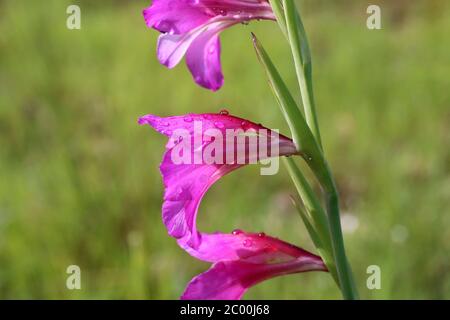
<point x="224" y="112"/>
<point x="247" y="243"/>
<point x="261" y="234"/>
<point x="188" y="119"/>
<point x="237" y="231"/>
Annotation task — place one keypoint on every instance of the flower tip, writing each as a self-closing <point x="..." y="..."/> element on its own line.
<point x="142" y="120"/>
<point x="185" y="296"/>
<point x="147" y="119"/>
<point x="216" y="87"/>
<point x="146" y="13"/>
<point x="213" y="85"/>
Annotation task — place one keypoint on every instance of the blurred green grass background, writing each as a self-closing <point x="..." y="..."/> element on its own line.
<point x="80" y="182"/>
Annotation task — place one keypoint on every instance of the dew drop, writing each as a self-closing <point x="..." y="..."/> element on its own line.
<point x="247" y="243"/>
<point x="188" y="119"/>
<point x="224" y="112"/>
<point x="261" y="234"/>
<point x="237" y="232"/>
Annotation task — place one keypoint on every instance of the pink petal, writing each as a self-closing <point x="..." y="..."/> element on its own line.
<point x="194" y="27"/>
<point x="238" y="9"/>
<point x="181" y="16"/>
<point x="174" y="16"/>
<point x="173" y="47"/>
<point x="242" y="260"/>
<point x="203" y="60"/>
<point x="186" y="184"/>
<point x="249" y="247"/>
<point x="229" y="280"/>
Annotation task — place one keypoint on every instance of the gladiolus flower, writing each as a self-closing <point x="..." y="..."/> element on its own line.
<point x="242" y="260"/>
<point x="202" y="148"/>
<point x="192" y="27"/>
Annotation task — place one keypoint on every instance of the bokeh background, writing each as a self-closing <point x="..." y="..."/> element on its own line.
<point x="79" y="179"/>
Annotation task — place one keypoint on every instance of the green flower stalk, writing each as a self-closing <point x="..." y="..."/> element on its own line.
<point x="303" y="65"/>
<point x="323" y="224"/>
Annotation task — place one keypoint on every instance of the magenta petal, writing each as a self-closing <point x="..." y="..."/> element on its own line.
<point x="193" y="27"/>
<point x="229" y="279"/>
<point x="249" y="247"/>
<point x="242" y="260"/>
<point x="203" y="51"/>
<point x="223" y="281"/>
<point x="171" y="48"/>
<point x="186" y="184"/>
<point x="203" y="60"/>
<point x="174" y="16"/>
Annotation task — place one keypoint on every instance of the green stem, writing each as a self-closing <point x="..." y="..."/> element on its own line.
<point x="316" y="215"/>
<point x="277" y="9"/>
<point x="312" y="153"/>
<point x="302" y="59"/>
<point x="320" y="168"/>
<point x="344" y="272"/>
<point x="303" y="64"/>
<point x="310" y="201"/>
